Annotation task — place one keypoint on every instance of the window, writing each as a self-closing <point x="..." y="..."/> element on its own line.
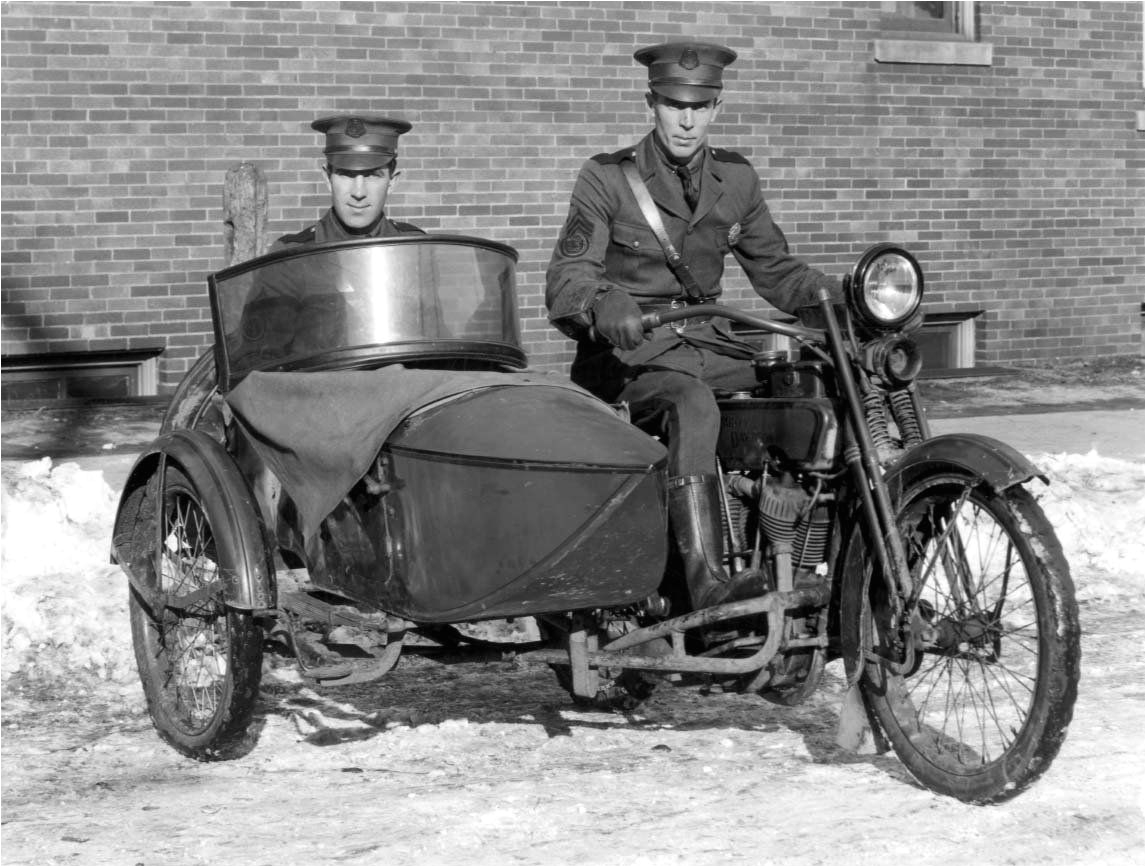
<point x="947" y="341"/>
<point x="101" y="375"/>
<point x="931" y="33"/>
<point x="922" y="20"/>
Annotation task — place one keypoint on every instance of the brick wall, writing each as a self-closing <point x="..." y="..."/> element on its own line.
<point x="1018" y="185"/>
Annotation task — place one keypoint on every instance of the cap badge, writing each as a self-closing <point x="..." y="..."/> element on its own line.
<point x="689" y="59"/>
<point x="355" y="128"/>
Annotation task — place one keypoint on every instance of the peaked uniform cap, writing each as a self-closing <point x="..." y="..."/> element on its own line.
<point x="360" y="142"/>
<point x="686" y="71"/>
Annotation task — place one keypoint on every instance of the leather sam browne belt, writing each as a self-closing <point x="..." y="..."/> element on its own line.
<point x="650" y="305"/>
<point x="652" y="216"/>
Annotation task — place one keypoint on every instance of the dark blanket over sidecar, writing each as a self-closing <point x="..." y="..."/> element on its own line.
<point x="486" y="494"/>
<point x="371" y="398"/>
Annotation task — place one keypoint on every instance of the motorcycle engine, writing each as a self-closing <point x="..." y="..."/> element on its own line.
<point x="780" y="516"/>
<point x="788" y="420"/>
<point x="775" y="444"/>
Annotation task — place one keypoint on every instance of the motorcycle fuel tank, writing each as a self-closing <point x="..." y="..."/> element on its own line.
<point x="521" y="500"/>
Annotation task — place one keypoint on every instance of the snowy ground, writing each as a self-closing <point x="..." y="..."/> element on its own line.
<point x="488" y="763"/>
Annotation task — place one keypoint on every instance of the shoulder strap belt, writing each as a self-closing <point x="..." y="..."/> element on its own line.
<point x="652" y="216"/>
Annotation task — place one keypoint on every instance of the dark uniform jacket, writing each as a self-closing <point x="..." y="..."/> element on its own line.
<point x="282" y="317"/>
<point x="330" y="228"/>
<point x="606" y="242"/>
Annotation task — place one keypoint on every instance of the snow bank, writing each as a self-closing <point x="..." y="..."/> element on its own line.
<point x="64" y="607"/>
<point x="1098" y="510"/>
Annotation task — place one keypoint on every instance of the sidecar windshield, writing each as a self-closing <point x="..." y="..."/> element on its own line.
<point x="362" y="303"/>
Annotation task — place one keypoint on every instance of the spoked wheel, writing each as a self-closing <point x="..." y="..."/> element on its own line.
<point x="200" y="661"/>
<point x="804" y="672"/>
<point x="620" y="689"/>
<point x="983" y="709"/>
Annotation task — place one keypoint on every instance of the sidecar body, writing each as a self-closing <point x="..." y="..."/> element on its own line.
<point x="369" y="405"/>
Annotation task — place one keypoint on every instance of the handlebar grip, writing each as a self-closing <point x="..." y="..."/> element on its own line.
<point x="650" y="321"/>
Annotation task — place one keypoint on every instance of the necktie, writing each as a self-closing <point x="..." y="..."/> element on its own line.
<point x="691" y="193"/>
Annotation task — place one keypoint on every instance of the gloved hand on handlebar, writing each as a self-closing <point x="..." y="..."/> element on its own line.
<point x="617" y="318"/>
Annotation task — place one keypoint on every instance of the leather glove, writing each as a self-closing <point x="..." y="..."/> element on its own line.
<point x="617" y="318"/>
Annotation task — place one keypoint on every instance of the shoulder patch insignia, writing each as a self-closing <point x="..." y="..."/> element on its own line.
<point x="576" y="236"/>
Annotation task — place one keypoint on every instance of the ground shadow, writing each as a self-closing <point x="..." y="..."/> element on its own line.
<point x="447" y="687"/>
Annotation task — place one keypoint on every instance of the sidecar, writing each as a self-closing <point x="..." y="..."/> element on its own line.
<point x="366" y="448"/>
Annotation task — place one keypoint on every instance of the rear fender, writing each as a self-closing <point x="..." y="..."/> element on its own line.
<point x="228" y="501"/>
<point x="977" y="458"/>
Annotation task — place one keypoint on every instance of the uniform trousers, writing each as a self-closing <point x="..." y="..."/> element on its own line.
<point x="673" y="399"/>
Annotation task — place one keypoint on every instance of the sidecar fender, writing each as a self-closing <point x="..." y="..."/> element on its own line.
<point x="977" y="457"/>
<point x="227" y="500"/>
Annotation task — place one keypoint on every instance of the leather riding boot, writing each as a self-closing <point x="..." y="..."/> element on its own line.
<point x="694" y="514"/>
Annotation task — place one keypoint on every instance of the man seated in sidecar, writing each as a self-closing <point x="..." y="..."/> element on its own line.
<point x="361" y="168"/>
<point x="617" y="258"/>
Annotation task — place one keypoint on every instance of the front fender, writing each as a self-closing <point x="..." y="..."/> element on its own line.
<point x="227" y="500"/>
<point x="973" y="456"/>
<point x="996" y="463"/>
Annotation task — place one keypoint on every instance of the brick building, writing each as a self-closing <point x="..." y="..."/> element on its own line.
<point x="1000" y="141"/>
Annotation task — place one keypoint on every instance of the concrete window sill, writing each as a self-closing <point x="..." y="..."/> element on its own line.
<point x="933" y="52"/>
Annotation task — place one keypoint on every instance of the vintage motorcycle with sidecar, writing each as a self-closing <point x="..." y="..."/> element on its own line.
<point x="365" y="460"/>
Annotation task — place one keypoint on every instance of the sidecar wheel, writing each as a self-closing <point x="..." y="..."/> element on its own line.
<point x="984" y="710"/>
<point x="200" y="662"/>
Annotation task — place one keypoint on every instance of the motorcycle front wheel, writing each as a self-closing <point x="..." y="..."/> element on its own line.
<point x="199" y="660"/>
<point x="985" y="706"/>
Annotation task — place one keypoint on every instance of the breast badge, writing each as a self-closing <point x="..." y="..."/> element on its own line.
<point x="733" y="234"/>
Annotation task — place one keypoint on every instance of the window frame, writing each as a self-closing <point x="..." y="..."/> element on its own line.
<point x="961" y="23"/>
<point x="904" y="39"/>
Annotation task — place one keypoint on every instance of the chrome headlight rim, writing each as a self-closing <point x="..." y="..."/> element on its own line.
<point x="857" y="288"/>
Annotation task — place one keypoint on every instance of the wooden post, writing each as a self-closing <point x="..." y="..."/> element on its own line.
<point x="244" y="213"/>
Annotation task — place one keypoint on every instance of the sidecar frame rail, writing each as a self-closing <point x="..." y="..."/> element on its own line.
<point x="773" y="605"/>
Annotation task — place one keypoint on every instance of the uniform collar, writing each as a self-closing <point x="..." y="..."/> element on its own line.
<point x="694" y="164"/>
<point x="665" y="187"/>
<point x="330" y="228"/>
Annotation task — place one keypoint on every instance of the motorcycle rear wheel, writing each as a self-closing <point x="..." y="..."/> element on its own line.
<point x="200" y="663"/>
<point x="624" y="692"/>
<point x="985" y="708"/>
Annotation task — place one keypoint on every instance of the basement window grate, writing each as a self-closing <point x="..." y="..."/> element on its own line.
<point x="99" y="375"/>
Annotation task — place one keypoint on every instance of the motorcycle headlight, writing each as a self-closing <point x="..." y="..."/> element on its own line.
<point x="885" y="288"/>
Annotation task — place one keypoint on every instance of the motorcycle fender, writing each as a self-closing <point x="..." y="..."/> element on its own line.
<point x="993" y="462"/>
<point x="996" y="463"/>
<point x="227" y="499"/>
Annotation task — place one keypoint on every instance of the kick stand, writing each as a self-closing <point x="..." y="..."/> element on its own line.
<point x="582" y="641"/>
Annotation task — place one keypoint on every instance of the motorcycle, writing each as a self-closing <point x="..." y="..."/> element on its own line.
<point x="365" y="462"/>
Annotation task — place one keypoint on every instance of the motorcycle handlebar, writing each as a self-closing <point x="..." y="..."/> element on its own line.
<point x="649" y="321"/>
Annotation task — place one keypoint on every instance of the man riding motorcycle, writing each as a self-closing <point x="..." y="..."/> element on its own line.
<point x="648" y="229"/>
